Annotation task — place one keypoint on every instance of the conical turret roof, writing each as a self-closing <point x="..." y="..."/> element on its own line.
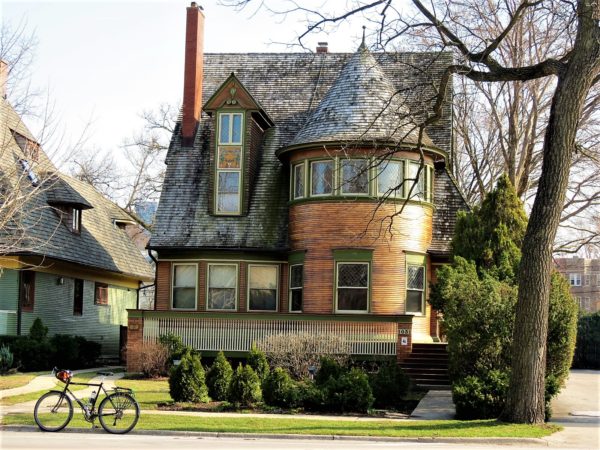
<point x="361" y="106"/>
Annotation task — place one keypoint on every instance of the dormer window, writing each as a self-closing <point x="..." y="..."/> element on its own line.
<point x="29" y="171"/>
<point x="229" y="163"/>
<point x="76" y="220"/>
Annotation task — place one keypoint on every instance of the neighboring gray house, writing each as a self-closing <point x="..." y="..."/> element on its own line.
<point x="65" y="255"/>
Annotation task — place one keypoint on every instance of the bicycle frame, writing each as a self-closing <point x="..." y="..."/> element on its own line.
<point x="89" y="410"/>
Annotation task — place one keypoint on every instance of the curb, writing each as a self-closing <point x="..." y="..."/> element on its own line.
<point x="308" y="437"/>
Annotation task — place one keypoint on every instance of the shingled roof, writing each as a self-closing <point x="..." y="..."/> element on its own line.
<point x="363" y="105"/>
<point x="37" y="228"/>
<point x="294" y="90"/>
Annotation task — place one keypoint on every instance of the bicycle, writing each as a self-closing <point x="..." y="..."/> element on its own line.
<point x="118" y="412"/>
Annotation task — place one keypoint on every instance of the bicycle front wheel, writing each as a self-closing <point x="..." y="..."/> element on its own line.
<point x="53" y="411"/>
<point x="119" y="413"/>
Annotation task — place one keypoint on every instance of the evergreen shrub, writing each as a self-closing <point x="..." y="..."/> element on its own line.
<point x="245" y="387"/>
<point x="281" y="390"/>
<point x="389" y="385"/>
<point x="587" y="351"/>
<point x="258" y="361"/>
<point x="187" y="380"/>
<point x="218" y="378"/>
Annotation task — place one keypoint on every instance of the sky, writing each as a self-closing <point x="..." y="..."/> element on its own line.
<point x="102" y="63"/>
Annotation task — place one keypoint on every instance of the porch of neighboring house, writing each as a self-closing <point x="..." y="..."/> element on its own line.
<point x="366" y="337"/>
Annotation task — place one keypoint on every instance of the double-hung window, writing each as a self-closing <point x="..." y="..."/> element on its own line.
<point x="184" y="286"/>
<point x="575" y="279"/>
<point x="76" y="220"/>
<point x="352" y="286"/>
<point x="222" y="287"/>
<point x="390" y="177"/>
<point x="27" y="290"/>
<point x="322" y="173"/>
<point x="355" y="176"/>
<point x="78" y="298"/>
<point x="229" y="163"/>
<point x="262" y="287"/>
<point x="100" y="294"/>
<point x="298" y="184"/>
<point x="415" y="289"/>
<point x="296" y="287"/>
<point x="416" y="181"/>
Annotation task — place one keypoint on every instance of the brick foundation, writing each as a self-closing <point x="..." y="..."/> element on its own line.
<point x="403" y="350"/>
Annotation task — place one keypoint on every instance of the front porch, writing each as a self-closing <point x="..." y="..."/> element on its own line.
<point x="366" y="336"/>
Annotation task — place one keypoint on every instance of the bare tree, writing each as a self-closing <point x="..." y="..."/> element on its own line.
<point x="575" y="69"/>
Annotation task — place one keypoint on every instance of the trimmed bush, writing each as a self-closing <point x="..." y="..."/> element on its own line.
<point x="6" y="359"/>
<point x="280" y="389"/>
<point x="187" y="380"/>
<point x="38" y="332"/>
<point x="32" y="356"/>
<point x="218" y="378"/>
<point x="389" y="385"/>
<point x="329" y="368"/>
<point x="245" y="387"/>
<point x="154" y="359"/>
<point x="480" y="397"/>
<point x="587" y="351"/>
<point x="258" y="361"/>
<point x="310" y="396"/>
<point x="173" y="344"/>
<point x="350" y="392"/>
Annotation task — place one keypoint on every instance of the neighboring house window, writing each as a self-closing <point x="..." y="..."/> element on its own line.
<point x="27" y="290"/>
<point x="76" y="220"/>
<point x="29" y="171"/>
<point x="418" y="187"/>
<point x="184" y="286"/>
<point x="101" y="294"/>
<point x="229" y="163"/>
<point x="298" y="181"/>
<point x="415" y="288"/>
<point x="598" y="279"/>
<point x="78" y="298"/>
<point x="587" y="305"/>
<point x="355" y="176"/>
<point x="262" y="287"/>
<point x="587" y="279"/>
<point x="390" y="176"/>
<point x="352" y="286"/>
<point x="296" y="287"/>
<point x="222" y="287"/>
<point x="321" y="177"/>
<point x="575" y="279"/>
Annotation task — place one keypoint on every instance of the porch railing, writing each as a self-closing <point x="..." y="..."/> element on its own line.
<point x="236" y="334"/>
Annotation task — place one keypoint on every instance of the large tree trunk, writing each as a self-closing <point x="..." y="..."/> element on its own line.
<point x="525" y="402"/>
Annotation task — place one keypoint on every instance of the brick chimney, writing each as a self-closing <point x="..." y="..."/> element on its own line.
<point x="322" y="47"/>
<point x="3" y="78"/>
<point x="192" y="76"/>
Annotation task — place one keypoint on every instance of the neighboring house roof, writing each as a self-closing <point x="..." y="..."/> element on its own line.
<point x="291" y="88"/>
<point x="100" y="244"/>
<point x="363" y="105"/>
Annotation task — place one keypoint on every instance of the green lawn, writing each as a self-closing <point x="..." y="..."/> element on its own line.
<point x="18" y="379"/>
<point x="148" y="392"/>
<point x="445" y="428"/>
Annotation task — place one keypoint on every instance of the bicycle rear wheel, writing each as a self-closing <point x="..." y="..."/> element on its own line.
<point x="53" y="411"/>
<point x="119" y="413"/>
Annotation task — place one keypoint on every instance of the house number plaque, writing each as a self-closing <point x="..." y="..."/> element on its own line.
<point x="403" y="331"/>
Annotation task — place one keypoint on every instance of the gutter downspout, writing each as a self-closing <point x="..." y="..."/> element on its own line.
<point x="155" y="274"/>
<point x="19" y="299"/>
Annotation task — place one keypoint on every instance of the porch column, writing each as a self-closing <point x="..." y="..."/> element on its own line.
<point x="135" y="340"/>
<point x="404" y="344"/>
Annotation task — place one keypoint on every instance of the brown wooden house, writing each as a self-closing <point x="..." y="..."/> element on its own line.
<point x="298" y="198"/>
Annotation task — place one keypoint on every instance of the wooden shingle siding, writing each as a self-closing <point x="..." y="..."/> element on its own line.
<point x="99" y="323"/>
<point x="163" y="286"/>
<point x="254" y="135"/>
<point x="9" y="297"/>
<point x="320" y="227"/>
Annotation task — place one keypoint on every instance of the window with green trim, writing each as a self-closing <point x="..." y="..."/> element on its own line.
<point x="222" y="287"/>
<point x="296" y="287"/>
<point x="416" y="185"/>
<point x="229" y="163"/>
<point x="415" y="289"/>
<point x="321" y="174"/>
<point x="298" y="181"/>
<point x="352" y="289"/>
<point x="354" y="176"/>
<point x="184" y="286"/>
<point x="263" y="281"/>
<point x="390" y="177"/>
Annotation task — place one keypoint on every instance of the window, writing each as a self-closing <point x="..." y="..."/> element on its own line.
<point x="262" y="287"/>
<point x="76" y="220"/>
<point x="298" y="183"/>
<point x="321" y="177"/>
<point x="355" y="176"/>
<point x="229" y="163"/>
<point x="222" y="287"/>
<point x="598" y="279"/>
<point x="390" y="176"/>
<point x="27" y="290"/>
<point x="418" y="188"/>
<point x="78" y="298"/>
<point x="184" y="286"/>
<point x="296" y="285"/>
<point x="415" y="288"/>
<point x="575" y="279"/>
<point x="30" y="173"/>
<point x="587" y="279"/>
<point x="352" y="287"/>
<point x="101" y="294"/>
<point x="429" y="184"/>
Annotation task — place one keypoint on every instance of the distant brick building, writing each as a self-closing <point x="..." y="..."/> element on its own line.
<point x="584" y="277"/>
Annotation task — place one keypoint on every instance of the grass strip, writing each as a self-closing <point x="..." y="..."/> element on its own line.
<point x="147" y="392"/>
<point x="388" y="428"/>
<point x="18" y="379"/>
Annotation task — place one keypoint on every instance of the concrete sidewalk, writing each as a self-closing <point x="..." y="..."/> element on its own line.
<point x="436" y="405"/>
<point x="48" y="381"/>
